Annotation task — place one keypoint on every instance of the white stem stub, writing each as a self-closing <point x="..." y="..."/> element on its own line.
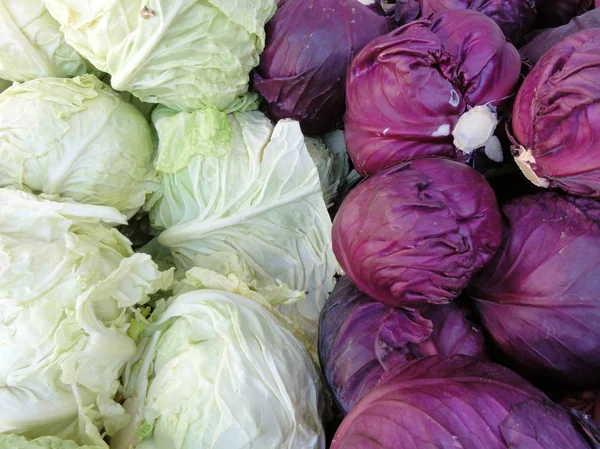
<point x="524" y="161"/>
<point x="493" y="149"/>
<point x="475" y="128"/>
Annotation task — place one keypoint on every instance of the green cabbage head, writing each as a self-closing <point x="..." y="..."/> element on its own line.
<point x="20" y="442"/>
<point x="32" y="45"/>
<point x="68" y="285"/>
<point x="241" y="196"/>
<point x="217" y="370"/>
<point x="182" y="53"/>
<point x="76" y="138"/>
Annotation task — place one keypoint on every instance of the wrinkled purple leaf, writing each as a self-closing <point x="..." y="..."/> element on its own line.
<point x="360" y="339"/>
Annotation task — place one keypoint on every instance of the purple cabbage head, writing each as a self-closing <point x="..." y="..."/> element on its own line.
<point x="543" y="40"/>
<point x="416" y="232"/>
<point x="429" y="88"/>
<point x="556" y="117"/>
<point x="540" y="297"/>
<point x="361" y="339"/>
<point x="310" y="44"/>
<point x="514" y="17"/>
<point x="553" y="13"/>
<point x="459" y="402"/>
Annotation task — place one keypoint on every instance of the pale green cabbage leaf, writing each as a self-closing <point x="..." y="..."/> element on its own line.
<point x="185" y="54"/>
<point x="241" y="196"/>
<point x="217" y="370"/>
<point x="49" y="442"/>
<point x="68" y="283"/>
<point x="76" y="138"/>
<point x="32" y="45"/>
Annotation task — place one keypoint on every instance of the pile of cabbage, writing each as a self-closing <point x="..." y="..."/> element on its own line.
<point x="299" y="224"/>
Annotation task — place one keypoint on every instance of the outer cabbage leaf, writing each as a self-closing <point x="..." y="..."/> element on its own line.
<point x="240" y="197"/>
<point x="544" y="40"/>
<point x="456" y="403"/>
<point x="87" y="143"/>
<point x="19" y="442"/>
<point x="416" y="232"/>
<point x="556" y="117"/>
<point x="429" y="88"/>
<point x="514" y="17"/>
<point x="361" y="339"/>
<point x="538" y="299"/>
<point x="67" y="283"/>
<point x="145" y="108"/>
<point x="32" y="45"/>
<point x="217" y="370"/>
<point x="185" y="54"/>
<point x="310" y="44"/>
<point x="199" y="278"/>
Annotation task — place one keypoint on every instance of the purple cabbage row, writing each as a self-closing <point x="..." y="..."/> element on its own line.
<point x="433" y="265"/>
<point x="398" y="236"/>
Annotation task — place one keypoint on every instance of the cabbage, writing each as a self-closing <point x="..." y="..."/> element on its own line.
<point x="552" y="13"/>
<point x="239" y="196"/>
<point x="310" y="44"/>
<point x="544" y="40"/>
<point x="556" y="121"/>
<point x="539" y="297"/>
<point x="218" y="370"/>
<point x="19" y="442"/>
<point x="67" y="284"/>
<point x="361" y="339"/>
<point x="85" y="143"/>
<point x="515" y="17"/>
<point x="428" y="88"/>
<point x="417" y="231"/>
<point x="457" y="403"/>
<point x="32" y="45"/>
<point x="185" y="54"/>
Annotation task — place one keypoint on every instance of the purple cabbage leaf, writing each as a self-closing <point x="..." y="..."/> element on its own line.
<point x="514" y="17"/>
<point x="539" y="297"/>
<point x="543" y="40"/>
<point x="460" y="402"/>
<point x="361" y="339"/>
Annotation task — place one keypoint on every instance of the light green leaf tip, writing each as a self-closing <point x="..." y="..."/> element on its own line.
<point x="185" y="135"/>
